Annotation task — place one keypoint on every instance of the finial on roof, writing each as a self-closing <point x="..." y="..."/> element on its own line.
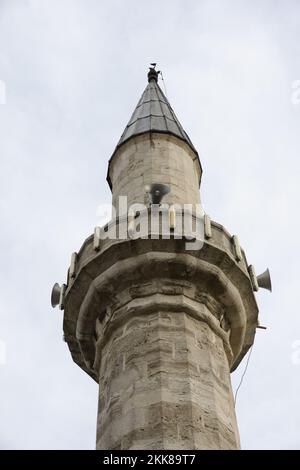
<point x="153" y="74"/>
<point x="153" y="113"/>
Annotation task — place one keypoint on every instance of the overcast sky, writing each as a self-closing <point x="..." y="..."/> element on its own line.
<point x="74" y="71"/>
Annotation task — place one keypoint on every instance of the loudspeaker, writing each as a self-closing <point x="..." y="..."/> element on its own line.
<point x="157" y="192"/>
<point x="264" y="280"/>
<point x="55" y="295"/>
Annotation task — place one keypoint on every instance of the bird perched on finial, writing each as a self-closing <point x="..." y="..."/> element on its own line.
<point x="153" y="65"/>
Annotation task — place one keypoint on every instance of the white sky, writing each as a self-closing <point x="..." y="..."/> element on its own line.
<point x="74" y="71"/>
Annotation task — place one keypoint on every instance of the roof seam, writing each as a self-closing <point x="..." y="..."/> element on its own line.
<point x="166" y="120"/>
<point x="149" y="115"/>
<point x="162" y="108"/>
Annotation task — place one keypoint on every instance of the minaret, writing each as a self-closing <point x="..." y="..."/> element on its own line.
<point x="157" y="322"/>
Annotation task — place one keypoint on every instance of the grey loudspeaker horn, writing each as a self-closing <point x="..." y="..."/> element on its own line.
<point x="55" y="295"/>
<point x="157" y="192"/>
<point x="264" y="280"/>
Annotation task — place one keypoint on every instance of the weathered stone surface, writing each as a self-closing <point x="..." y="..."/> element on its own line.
<point x="160" y="330"/>
<point x="157" y="158"/>
<point x="164" y="383"/>
<point x="158" y="326"/>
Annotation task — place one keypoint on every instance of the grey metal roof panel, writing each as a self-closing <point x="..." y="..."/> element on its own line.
<point x="153" y="113"/>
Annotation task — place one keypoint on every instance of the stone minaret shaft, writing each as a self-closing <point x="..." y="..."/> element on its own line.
<point x="157" y="325"/>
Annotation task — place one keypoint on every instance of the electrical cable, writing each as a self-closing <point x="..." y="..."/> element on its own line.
<point x="242" y="378"/>
<point x="165" y="88"/>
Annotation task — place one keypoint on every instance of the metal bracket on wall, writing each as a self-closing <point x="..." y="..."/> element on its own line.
<point x="62" y="296"/>
<point x="207" y="226"/>
<point x="237" y="248"/>
<point x="253" y="277"/>
<point x="97" y="239"/>
<point x="72" y="271"/>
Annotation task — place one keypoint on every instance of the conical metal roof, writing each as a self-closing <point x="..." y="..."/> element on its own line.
<point x="153" y="113"/>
